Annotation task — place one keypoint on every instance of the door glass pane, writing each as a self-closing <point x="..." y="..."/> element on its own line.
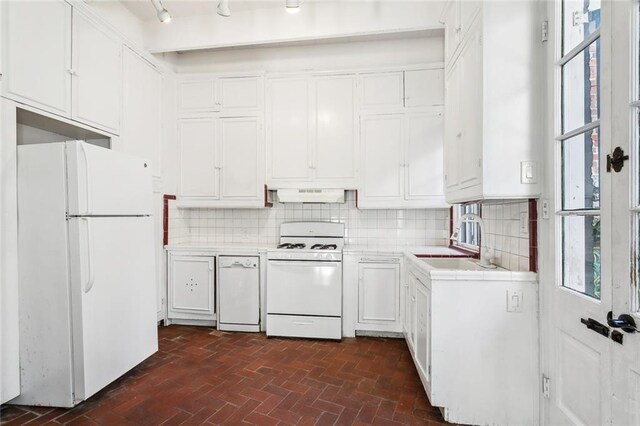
<point x="581" y="88"/>
<point x="580" y="18"/>
<point x="580" y="171"/>
<point x="581" y="254"/>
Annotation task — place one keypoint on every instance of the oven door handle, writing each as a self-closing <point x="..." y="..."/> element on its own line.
<point x="303" y="263"/>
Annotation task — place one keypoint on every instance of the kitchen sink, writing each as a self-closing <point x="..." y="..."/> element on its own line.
<point x="453" y="264"/>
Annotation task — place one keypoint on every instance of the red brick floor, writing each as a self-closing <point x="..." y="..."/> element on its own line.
<point x="201" y="375"/>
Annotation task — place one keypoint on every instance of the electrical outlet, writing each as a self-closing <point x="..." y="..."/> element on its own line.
<point x="545" y="209"/>
<point x="524" y="223"/>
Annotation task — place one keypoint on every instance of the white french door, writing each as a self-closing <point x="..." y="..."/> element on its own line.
<point x="625" y="187"/>
<point x="594" y="363"/>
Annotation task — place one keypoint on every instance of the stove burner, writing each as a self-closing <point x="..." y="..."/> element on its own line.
<point x="291" y="246"/>
<point x="324" y="247"/>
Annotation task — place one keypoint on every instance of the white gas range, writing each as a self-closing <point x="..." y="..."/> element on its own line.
<point x="304" y="281"/>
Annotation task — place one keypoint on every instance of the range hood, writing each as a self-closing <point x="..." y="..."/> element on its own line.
<point x="311" y="195"/>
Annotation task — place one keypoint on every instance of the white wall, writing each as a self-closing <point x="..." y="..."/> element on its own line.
<point x="318" y="20"/>
<point x="321" y="56"/>
<point x="125" y="23"/>
<point x="9" y="340"/>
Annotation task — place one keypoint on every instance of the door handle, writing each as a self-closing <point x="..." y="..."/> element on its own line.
<point x="92" y="277"/>
<point x="616" y="160"/>
<point x="624" y="321"/>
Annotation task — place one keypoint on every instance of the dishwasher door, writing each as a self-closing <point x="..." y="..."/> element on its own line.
<point x="238" y="293"/>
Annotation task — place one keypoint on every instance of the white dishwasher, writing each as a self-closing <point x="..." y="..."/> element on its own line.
<point x="238" y="293"/>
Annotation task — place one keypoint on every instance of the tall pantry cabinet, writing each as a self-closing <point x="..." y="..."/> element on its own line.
<point x="493" y="134"/>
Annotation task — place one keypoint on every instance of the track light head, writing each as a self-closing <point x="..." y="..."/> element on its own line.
<point x="292" y="6"/>
<point x="163" y="14"/>
<point x="223" y="8"/>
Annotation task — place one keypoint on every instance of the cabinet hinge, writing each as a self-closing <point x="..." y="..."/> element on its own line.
<point x="429" y="371"/>
<point x="546" y="387"/>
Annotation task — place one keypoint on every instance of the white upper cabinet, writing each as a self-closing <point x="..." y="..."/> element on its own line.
<point x="312" y="132"/>
<point x="336" y="150"/>
<point x="97" y="74"/>
<point x="240" y="94"/>
<point x="142" y="109"/>
<point x="36" y="54"/>
<point x="382" y="91"/>
<point x="458" y="17"/>
<point x="229" y="96"/>
<point x="402" y="161"/>
<point x="382" y="160"/>
<point x="424" y="163"/>
<point x="242" y="159"/>
<point x="493" y="101"/>
<point x="199" y="162"/>
<point x="424" y="88"/>
<point x="196" y="96"/>
<point x="289" y="131"/>
<point x="221" y="163"/>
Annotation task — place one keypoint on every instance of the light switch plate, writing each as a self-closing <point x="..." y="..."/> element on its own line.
<point x="514" y="300"/>
<point x="528" y="172"/>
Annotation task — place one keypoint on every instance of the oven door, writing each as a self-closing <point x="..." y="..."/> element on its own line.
<point x="303" y="287"/>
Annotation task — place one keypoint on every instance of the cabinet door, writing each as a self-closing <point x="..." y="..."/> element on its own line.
<point x="197" y="96"/>
<point x="379" y="293"/>
<point x="239" y="94"/>
<point x="424" y="153"/>
<point x="36" y="45"/>
<point x="382" y="158"/>
<point x="470" y="99"/>
<point x="335" y="145"/>
<point x="289" y="130"/>
<point x="241" y="176"/>
<point x="142" y="102"/>
<point x="199" y="164"/>
<point x="452" y="128"/>
<point x="406" y="310"/>
<point x="452" y="29"/>
<point x="412" y="311"/>
<point x="191" y="287"/>
<point x="424" y="88"/>
<point x="423" y="332"/>
<point x="97" y="71"/>
<point x="382" y="90"/>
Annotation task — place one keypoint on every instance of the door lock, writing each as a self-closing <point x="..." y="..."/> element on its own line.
<point x="596" y="326"/>
<point x="616" y="160"/>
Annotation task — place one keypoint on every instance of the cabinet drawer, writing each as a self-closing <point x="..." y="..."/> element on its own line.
<point x="304" y="326"/>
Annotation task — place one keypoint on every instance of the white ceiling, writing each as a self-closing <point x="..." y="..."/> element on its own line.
<point x="181" y="8"/>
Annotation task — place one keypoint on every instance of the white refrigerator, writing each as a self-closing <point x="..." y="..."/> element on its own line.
<point x="86" y="270"/>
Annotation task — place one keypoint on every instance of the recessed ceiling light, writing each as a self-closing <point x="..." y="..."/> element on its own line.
<point x="163" y="14"/>
<point x="223" y="8"/>
<point x="292" y="6"/>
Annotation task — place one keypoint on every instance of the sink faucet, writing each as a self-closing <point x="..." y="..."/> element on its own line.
<point x="486" y="254"/>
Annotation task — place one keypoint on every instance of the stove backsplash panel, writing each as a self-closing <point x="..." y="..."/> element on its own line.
<point x="399" y="228"/>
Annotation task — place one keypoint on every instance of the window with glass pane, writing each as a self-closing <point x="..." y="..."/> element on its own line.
<point x="579" y="142"/>
<point x="469" y="230"/>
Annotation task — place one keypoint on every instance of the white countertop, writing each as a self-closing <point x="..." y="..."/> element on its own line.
<point x="221" y="247"/>
<point x="498" y="274"/>
<point x="421" y="250"/>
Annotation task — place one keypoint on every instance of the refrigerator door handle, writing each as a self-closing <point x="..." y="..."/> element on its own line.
<point x="92" y="276"/>
<point x="87" y="174"/>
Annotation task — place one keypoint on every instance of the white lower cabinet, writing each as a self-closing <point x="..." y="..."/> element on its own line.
<point x="379" y="295"/>
<point x="422" y="346"/>
<point x="191" y="288"/>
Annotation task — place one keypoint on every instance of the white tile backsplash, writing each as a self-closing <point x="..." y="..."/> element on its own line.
<point x="505" y="234"/>
<point x="397" y="228"/>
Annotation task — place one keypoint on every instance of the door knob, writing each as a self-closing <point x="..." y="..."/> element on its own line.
<point x="624" y="321"/>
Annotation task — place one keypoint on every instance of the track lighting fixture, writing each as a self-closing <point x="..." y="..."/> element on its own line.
<point x="293" y="6"/>
<point x="163" y="14"/>
<point x="223" y="8"/>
